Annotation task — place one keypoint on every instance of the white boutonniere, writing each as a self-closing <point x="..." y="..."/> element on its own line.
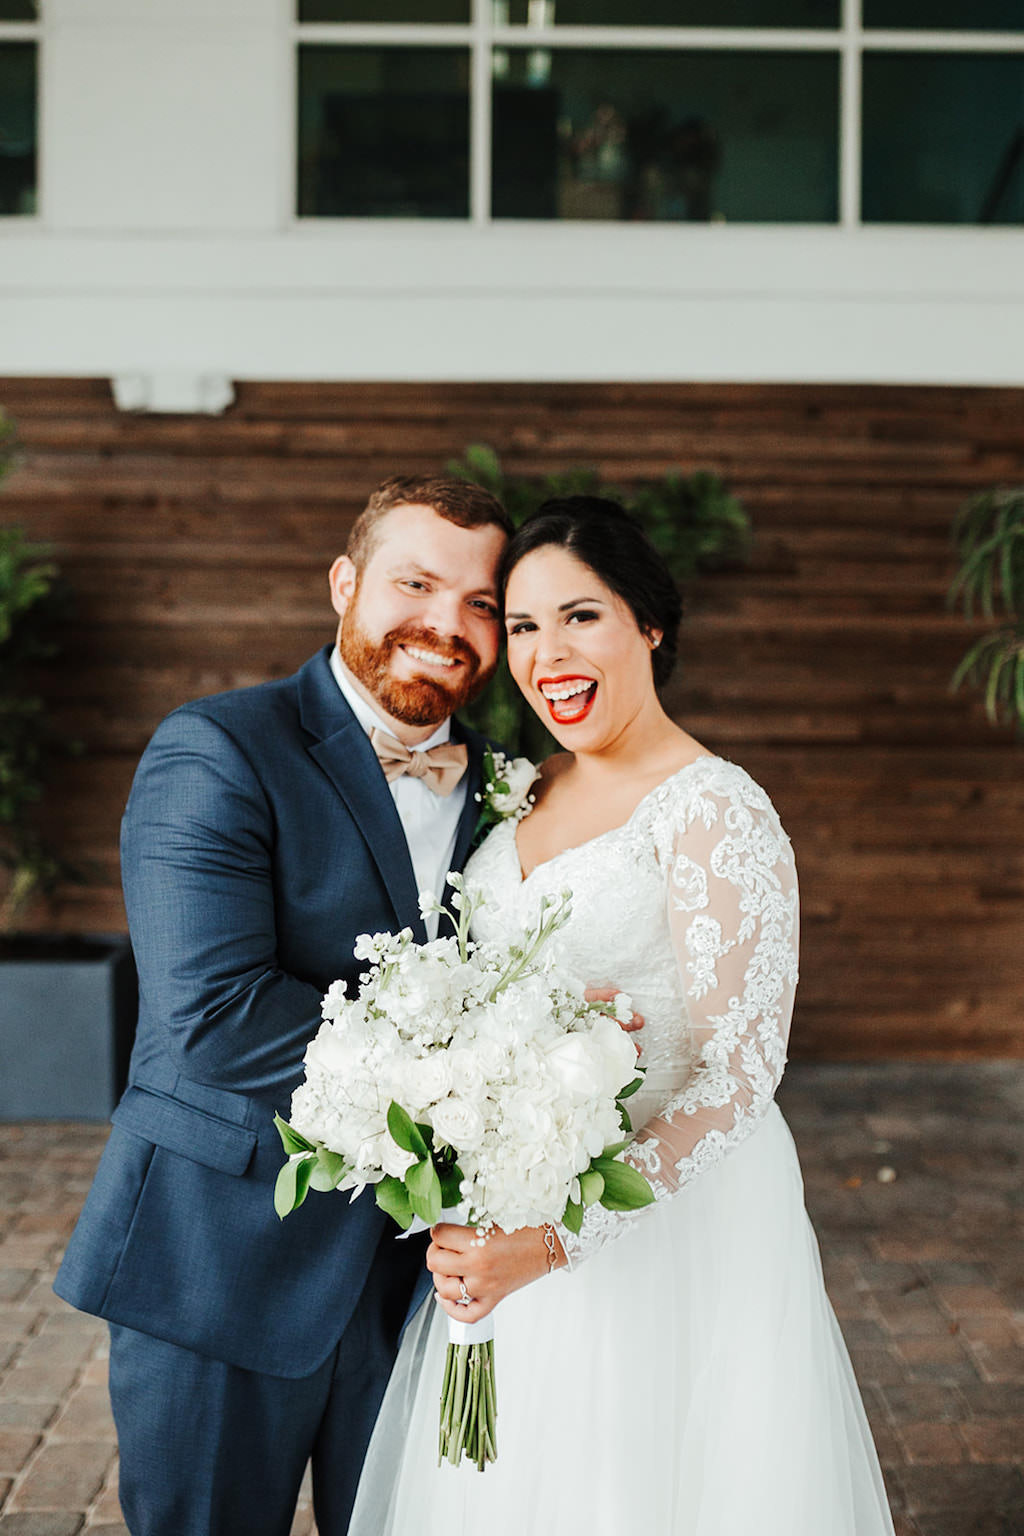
<point x="506" y="789"/>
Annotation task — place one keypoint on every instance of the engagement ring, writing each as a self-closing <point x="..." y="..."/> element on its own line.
<point x="465" y="1299"/>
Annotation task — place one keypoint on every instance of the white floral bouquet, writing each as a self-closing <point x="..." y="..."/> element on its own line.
<point x="470" y="1079"/>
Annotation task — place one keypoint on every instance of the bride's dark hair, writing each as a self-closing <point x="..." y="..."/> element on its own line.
<point x="603" y="536"/>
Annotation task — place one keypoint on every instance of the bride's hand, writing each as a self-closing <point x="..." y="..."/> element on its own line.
<point x="490" y="1270"/>
<point x="605" y="994"/>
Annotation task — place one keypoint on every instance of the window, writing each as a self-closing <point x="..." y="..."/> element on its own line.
<point x="18" y="106"/>
<point x="636" y="111"/>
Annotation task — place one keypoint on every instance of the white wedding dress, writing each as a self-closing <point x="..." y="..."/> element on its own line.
<point x="686" y="1376"/>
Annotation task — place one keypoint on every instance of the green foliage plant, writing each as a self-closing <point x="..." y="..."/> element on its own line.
<point x="32" y="603"/>
<point x="694" y="522"/>
<point x="988" y="535"/>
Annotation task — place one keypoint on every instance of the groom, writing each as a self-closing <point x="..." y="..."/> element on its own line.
<point x="267" y="828"/>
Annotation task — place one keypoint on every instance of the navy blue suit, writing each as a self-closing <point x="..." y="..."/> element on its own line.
<point x="260" y="838"/>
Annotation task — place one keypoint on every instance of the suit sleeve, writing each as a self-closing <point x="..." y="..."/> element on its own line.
<point x="196" y="852"/>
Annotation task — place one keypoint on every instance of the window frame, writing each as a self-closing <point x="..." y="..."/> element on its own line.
<point x="849" y="41"/>
<point x="28" y="32"/>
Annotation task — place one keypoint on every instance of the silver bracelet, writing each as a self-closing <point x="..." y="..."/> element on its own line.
<point x="549" y="1244"/>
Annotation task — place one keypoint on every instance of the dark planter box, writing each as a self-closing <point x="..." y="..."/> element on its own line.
<point x="67" y="1020"/>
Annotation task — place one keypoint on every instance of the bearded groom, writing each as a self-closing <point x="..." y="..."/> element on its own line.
<point x="266" y="829"/>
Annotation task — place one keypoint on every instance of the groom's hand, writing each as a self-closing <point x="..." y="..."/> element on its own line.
<point x="606" y="994"/>
<point x="490" y="1270"/>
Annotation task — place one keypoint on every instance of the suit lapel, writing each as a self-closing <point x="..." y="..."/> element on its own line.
<point x="471" y="810"/>
<point x="342" y="750"/>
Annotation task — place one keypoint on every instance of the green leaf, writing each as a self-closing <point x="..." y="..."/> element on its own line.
<point x="624" y="1188"/>
<point x="328" y="1170"/>
<point x="405" y="1133"/>
<point x="292" y="1184"/>
<point x="624" y="1119"/>
<point x="424" y="1188"/>
<point x="615" y="1148"/>
<point x="572" y="1217"/>
<point x="451" y="1186"/>
<point x="591" y="1186"/>
<point x="393" y="1198"/>
<point x="630" y="1088"/>
<point x="291" y="1139"/>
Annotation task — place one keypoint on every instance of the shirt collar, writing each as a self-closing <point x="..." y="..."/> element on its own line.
<point x="371" y="719"/>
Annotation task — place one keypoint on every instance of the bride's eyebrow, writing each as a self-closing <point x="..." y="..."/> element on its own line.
<point x="576" y="602"/>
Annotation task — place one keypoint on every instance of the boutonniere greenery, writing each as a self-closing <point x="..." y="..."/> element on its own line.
<point x="505" y="793"/>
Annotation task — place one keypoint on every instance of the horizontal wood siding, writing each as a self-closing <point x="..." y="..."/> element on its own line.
<point x="198" y="549"/>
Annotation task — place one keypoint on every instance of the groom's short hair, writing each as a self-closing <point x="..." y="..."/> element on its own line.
<point x="457" y="501"/>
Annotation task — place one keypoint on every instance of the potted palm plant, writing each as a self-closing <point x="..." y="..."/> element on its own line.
<point x="66" y="1003"/>
<point x="988" y="535"/>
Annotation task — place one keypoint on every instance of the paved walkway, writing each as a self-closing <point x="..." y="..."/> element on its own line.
<point x="914" y="1184"/>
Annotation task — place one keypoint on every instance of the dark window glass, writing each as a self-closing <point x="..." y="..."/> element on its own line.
<point x="421" y="11"/>
<point x="384" y="132"/>
<point x="17" y="128"/>
<point x="19" y="10"/>
<point x="704" y="136"/>
<point x="943" y="138"/>
<point x="667" y="13"/>
<point x="946" y="15"/>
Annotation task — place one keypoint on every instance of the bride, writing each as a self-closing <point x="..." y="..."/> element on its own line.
<point x="676" y="1370"/>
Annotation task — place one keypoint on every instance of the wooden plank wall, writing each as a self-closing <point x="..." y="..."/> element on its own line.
<point x="198" y="549"/>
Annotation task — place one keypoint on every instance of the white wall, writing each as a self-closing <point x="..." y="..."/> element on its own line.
<point x="165" y="250"/>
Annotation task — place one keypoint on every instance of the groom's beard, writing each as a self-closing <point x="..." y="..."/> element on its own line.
<point x="422" y="700"/>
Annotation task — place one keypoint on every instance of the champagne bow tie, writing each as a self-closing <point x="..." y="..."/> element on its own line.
<point x="440" y="767"/>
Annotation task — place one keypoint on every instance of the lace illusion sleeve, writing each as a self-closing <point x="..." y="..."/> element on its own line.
<point x="732" y="911"/>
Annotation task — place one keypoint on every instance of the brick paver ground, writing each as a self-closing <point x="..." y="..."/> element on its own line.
<point x="913" y="1180"/>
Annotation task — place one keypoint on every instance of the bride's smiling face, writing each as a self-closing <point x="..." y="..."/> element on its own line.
<point x="575" y="650"/>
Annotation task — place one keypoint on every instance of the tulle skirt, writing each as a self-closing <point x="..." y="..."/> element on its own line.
<point x="688" y="1380"/>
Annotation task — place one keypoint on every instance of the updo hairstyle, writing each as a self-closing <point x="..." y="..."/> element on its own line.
<point x="602" y="535"/>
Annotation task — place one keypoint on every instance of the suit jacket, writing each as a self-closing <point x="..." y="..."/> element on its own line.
<point x="260" y="838"/>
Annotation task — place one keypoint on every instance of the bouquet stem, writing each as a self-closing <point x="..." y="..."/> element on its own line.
<point x="468" y="1403"/>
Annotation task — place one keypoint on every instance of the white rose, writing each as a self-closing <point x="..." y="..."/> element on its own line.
<point x="493" y="1060"/>
<point x="467" y="1074"/>
<point x="458" y="1123"/>
<point x="424" y="1080"/>
<point x="518" y="774"/>
<point x="576" y="1066"/>
<point x="392" y="1158"/>
<point x="546" y="1190"/>
<point x="333" y="1052"/>
<point x="529" y="1121"/>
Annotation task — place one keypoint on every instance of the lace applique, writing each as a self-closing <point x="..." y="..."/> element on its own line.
<point x="690" y="884"/>
<point x="704" y="946"/>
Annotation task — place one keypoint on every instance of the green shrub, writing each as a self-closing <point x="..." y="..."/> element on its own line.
<point x="33" y="602"/>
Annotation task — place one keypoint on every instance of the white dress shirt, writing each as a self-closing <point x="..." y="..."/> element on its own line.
<point x="430" y="822"/>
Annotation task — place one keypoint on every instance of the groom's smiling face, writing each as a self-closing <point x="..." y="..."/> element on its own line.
<point x="419" y="627"/>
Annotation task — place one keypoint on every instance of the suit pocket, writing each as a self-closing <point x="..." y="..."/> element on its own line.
<point x="185" y="1130"/>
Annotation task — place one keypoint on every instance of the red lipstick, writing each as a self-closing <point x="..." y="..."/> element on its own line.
<point x="569" y="698"/>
